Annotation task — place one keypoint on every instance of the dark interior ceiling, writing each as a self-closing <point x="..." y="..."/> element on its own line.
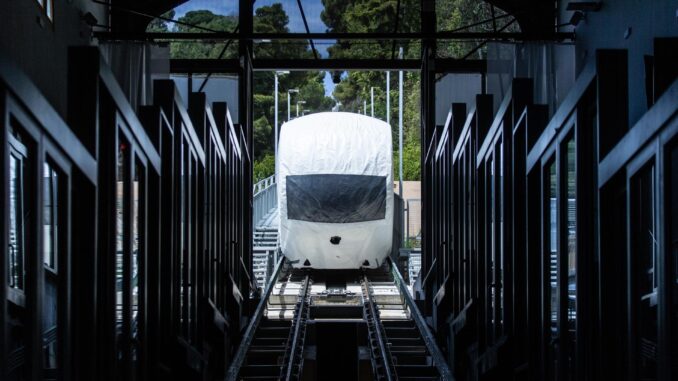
<point x="534" y="16"/>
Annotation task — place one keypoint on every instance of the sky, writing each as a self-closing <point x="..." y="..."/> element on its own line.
<point x="312" y="9"/>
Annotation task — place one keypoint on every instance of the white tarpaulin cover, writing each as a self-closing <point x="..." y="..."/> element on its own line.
<point x="335" y="192"/>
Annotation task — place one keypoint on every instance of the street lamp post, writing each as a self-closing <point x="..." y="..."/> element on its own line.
<point x="275" y="118"/>
<point x="299" y="103"/>
<point x="388" y="97"/>
<point x="400" y="127"/>
<point x="289" y="116"/>
<point x="372" y="101"/>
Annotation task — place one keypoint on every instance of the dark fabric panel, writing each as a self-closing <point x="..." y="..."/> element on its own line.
<point x="336" y="198"/>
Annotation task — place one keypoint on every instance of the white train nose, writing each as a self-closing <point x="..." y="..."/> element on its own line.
<point x="334" y="191"/>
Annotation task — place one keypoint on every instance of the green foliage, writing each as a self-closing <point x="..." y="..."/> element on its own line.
<point x="459" y="15"/>
<point x="411" y="159"/>
<point x="159" y="25"/>
<point x="354" y="89"/>
<point x="264" y="167"/>
<point x="263" y="135"/>
<point x="204" y="19"/>
<point x="273" y="19"/>
<point x="368" y="16"/>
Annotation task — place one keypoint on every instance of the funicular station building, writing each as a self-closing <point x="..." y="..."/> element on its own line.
<point x="135" y="245"/>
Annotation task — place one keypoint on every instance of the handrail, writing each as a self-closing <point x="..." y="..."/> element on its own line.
<point x="265" y="199"/>
<point x="428" y="337"/>
<point x="423" y="282"/>
<point x="264" y="184"/>
<point x="248" y="336"/>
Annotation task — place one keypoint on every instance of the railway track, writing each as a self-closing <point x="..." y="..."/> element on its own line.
<point x="395" y="344"/>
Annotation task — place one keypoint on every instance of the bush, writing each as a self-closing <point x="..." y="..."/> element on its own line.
<point x="411" y="160"/>
<point x="264" y="167"/>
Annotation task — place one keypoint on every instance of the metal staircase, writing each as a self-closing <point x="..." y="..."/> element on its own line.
<point x="264" y="253"/>
<point x="414" y="265"/>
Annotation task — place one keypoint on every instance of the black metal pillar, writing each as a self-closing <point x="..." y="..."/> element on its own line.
<point x="428" y="25"/>
<point x="245" y="102"/>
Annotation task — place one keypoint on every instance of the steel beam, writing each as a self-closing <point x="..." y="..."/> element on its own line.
<point x="378" y="36"/>
<point x="335" y="64"/>
<point x="232" y="66"/>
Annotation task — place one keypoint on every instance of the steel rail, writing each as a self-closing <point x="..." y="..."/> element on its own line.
<point x="383" y="349"/>
<point x="429" y="339"/>
<point x="297" y="327"/>
<point x="239" y="358"/>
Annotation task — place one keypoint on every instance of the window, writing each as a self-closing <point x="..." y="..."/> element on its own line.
<point x="47" y="7"/>
<point x="18" y="250"/>
<point x="336" y="198"/>
<point x="188" y="258"/>
<point x="499" y="245"/>
<point x="552" y="284"/>
<point x="644" y="255"/>
<point x="491" y="260"/>
<point x="121" y="234"/>
<point x="571" y="184"/>
<point x="16" y="255"/>
<point x="138" y="229"/>
<point x="672" y="212"/>
<point x="50" y="313"/>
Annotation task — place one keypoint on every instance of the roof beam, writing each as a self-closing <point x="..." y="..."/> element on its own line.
<point x="378" y="36"/>
<point x="232" y="66"/>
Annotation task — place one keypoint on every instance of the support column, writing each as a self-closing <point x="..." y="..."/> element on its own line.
<point x="245" y="102"/>
<point x="428" y="27"/>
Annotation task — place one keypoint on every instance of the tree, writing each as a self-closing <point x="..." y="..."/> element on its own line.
<point x="159" y="25"/>
<point x="204" y="19"/>
<point x="262" y="135"/>
<point x="456" y="14"/>
<point x="264" y="167"/>
<point x="354" y="89"/>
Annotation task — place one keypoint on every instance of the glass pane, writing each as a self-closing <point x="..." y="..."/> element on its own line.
<point x="137" y="225"/>
<point x="491" y="257"/>
<point x="335" y="198"/>
<point x="186" y="242"/>
<point x="51" y="295"/>
<point x="553" y="285"/>
<point x="644" y="253"/>
<point x="120" y="202"/>
<point x="500" y="245"/>
<point x="673" y="223"/>
<point x="48" y="8"/>
<point x="16" y="268"/>
<point x="17" y="319"/>
<point x="571" y="184"/>
<point x="49" y="216"/>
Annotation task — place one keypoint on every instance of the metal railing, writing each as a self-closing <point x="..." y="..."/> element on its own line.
<point x="248" y="336"/>
<point x="429" y="338"/>
<point x="265" y="199"/>
<point x="413" y="222"/>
